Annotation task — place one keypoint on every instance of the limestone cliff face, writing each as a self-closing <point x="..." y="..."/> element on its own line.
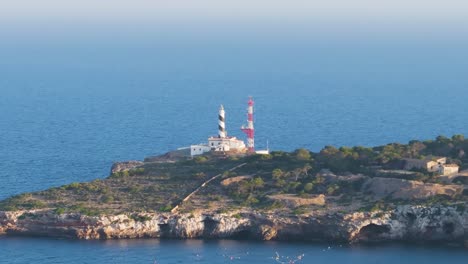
<point x="410" y="223"/>
<point x="406" y="223"/>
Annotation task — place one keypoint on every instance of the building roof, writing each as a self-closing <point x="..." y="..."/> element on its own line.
<point x="222" y="139"/>
<point x="426" y="159"/>
<point x="451" y="165"/>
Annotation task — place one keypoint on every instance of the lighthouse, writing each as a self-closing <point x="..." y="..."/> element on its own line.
<point x="222" y="144"/>
<point x="249" y="129"/>
<point x="221" y="123"/>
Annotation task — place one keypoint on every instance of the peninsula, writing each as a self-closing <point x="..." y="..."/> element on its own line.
<point x="398" y="192"/>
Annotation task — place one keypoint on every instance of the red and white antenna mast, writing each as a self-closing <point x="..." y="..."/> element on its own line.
<point x="249" y="130"/>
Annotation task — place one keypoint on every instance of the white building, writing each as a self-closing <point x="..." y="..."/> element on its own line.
<point x="226" y="144"/>
<point x="447" y="169"/>
<point x="220" y="143"/>
<point x="199" y="149"/>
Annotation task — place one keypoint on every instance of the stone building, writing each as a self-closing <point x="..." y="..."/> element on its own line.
<point x="448" y="169"/>
<point x="431" y="164"/>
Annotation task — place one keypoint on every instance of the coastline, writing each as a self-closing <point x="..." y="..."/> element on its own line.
<point x="407" y="224"/>
<point x="283" y="196"/>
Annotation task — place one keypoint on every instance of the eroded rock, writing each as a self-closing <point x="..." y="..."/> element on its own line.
<point x="408" y="223"/>
<point x="407" y="190"/>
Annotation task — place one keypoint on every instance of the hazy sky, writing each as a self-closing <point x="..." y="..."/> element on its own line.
<point x="446" y="14"/>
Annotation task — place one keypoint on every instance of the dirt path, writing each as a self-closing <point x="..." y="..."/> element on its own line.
<point x="201" y="186"/>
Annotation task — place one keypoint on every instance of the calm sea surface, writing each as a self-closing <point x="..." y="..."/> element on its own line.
<point x="69" y="108"/>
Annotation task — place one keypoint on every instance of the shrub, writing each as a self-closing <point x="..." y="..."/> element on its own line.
<point x="237" y="216"/>
<point x="31" y="204"/>
<point x="80" y="208"/>
<point x="378" y="206"/>
<point x="199" y="175"/>
<point x="277" y="174"/>
<point x="300" y="210"/>
<point x="134" y="189"/>
<point x="251" y="200"/>
<point x="332" y="189"/>
<point x="72" y="186"/>
<point x="59" y="211"/>
<point x="200" y="159"/>
<point x="309" y="187"/>
<point x="274" y="205"/>
<point x="137" y="171"/>
<point x="280" y="183"/>
<point x="107" y="199"/>
<point x="166" y="208"/>
<point x="140" y="218"/>
<point x="28" y="215"/>
<point x="302" y="154"/>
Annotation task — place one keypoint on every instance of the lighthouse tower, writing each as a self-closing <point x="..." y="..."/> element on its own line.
<point x="249" y="129"/>
<point x="222" y="142"/>
<point x="221" y="123"/>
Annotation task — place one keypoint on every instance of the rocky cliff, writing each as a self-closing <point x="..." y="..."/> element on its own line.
<point x="274" y="197"/>
<point x="405" y="223"/>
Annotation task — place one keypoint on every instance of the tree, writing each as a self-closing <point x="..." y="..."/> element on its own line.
<point x="256" y="183"/>
<point x="390" y="152"/>
<point x="443" y="140"/>
<point x="280" y="183"/>
<point x="292" y="186"/>
<point x="458" y="138"/>
<point x="329" y="151"/>
<point x="309" y="187"/>
<point x="319" y="179"/>
<point x="277" y="174"/>
<point x="303" y="154"/>
<point x="415" y="148"/>
<point x="332" y="189"/>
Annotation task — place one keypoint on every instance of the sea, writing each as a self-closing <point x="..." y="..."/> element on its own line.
<point x="72" y="104"/>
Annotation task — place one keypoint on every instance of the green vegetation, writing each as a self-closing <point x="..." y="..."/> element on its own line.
<point x="157" y="186"/>
<point x="300" y="210"/>
<point x="140" y="218"/>
<point x="152" y="187"/>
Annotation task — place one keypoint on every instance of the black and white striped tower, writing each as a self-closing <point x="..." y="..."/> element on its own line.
<point x="221" y="123"/>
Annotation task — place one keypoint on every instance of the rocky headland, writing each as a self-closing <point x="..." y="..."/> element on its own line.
<point x="300" y="196"/>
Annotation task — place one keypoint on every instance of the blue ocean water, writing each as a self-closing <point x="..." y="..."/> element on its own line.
<point x="17" y="250"/>
<point x="71" y="106"/>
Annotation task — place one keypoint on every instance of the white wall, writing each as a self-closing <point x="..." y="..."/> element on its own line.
<point x="198" y="149"/>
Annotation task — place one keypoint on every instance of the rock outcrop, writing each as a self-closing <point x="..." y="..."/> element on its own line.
<point x="294" y="201"/>
<point x="408" y="190"/>
<point x="125" y="166"/>
<point x="405" y="223"/>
